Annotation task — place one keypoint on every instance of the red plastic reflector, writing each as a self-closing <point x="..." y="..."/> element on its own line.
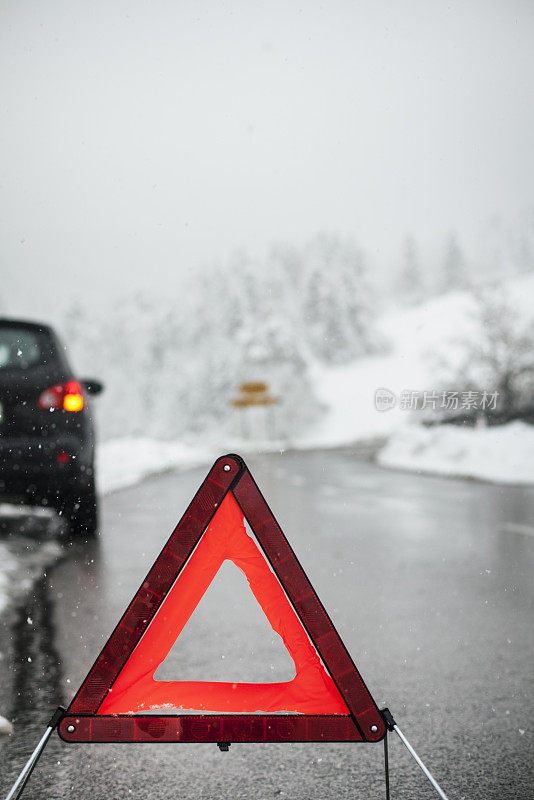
<point x="312" y="690"/>
<point x="328" y="699"/>
<point x="209" y="728"/>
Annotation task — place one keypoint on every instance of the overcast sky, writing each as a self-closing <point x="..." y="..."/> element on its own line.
<point x="142" y="139"/>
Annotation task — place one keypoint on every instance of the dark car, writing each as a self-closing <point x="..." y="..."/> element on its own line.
<point x="46" y="428"/>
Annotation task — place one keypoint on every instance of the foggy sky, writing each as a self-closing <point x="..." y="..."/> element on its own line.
<point x="143" y="139"/>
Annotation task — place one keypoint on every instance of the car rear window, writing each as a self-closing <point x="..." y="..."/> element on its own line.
<point x="21" y="348"/>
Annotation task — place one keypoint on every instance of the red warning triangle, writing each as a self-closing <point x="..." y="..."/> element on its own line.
<point x="312" y="690"/>
<point x="326" y="700"/>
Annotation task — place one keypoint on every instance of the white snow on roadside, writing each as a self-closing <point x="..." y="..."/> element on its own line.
<point x="502" y="454"/>
<point x="125" y="462"/>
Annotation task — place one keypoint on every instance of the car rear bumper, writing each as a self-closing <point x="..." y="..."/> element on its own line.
<point x="31" y="467"/>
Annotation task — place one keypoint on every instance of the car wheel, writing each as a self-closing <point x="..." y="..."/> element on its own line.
<point x="81" y="511"/>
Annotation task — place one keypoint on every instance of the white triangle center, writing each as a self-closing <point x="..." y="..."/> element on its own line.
<point x="228" y="638"/>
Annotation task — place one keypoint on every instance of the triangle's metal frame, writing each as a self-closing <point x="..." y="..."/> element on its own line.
<point x="84" y="723"/>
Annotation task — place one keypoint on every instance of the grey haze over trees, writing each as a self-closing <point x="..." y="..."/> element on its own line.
<point x="504" y="251"/>
<point x="172" y="366"/>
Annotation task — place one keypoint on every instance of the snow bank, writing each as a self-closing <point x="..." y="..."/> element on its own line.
<point x="125" y="462"/>
<point x="503" y="454"/>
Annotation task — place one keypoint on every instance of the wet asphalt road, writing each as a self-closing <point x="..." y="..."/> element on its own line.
<point x="429" y="583"/>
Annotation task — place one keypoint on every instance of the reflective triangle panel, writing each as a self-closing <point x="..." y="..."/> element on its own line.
<point x="325" y="701"/>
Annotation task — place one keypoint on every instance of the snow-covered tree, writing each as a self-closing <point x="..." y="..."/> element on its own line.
<point x="172" y="366"/>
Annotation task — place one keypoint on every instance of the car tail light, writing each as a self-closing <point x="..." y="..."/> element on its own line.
<point x="63" y="395"/>
<point x="73" y="397"/>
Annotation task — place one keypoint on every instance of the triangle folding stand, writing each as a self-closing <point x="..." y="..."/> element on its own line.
<point x="326" y="701"/>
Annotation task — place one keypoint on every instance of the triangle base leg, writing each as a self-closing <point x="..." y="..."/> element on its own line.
<point x="18" y="787"/>
<point x="392" y="726"/>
